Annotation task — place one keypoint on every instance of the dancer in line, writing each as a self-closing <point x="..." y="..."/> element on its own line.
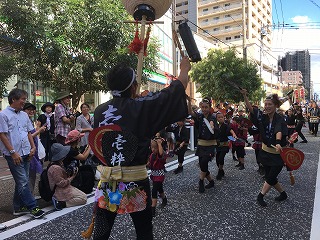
<point x="182" y="136"/>
<point x="156" y="163"/>
<point x="273" y="130"/>
<point x="223" y="147"/>
<point x="208" y="130"/>
<point x="140" y="119"/>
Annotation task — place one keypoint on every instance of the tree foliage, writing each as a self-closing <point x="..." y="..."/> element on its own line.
<point x="215" y="72"/>
<point x="70" y="44"/>
<point x="7" y="69"/>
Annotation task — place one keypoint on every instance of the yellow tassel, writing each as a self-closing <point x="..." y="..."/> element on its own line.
<point x="87" y="234"/>
<point x="292" y="180"/>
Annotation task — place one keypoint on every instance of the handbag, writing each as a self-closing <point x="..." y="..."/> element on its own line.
<point x="41" y="150"/>
<point x="314" y="119"/>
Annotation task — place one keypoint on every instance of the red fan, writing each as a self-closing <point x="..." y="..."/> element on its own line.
<point x="293" y="137"/>
<point x="292" y="157"/>
<point x="95" y="140"/>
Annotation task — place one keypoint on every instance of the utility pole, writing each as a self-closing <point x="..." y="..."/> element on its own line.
<point x="263" y="33"/>
<point x="174" y="51"/>
<point x="244" y="30"/>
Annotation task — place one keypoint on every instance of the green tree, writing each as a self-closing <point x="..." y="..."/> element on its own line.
<point x="7" y="69"/>
<point x="219" y="73"/>
<point x="71" y="44"/>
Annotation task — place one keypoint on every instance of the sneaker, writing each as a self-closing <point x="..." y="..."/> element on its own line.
<point x="37" y="212"/>
<point x="238" y="165"/>
<point x="21" y="211"/>
<point x="178" y="170"/>
<point x="2" y="226"/>
<point x="58" y="205"/>
<point x="201" y="186"/>
<point x="283" y="196"/>
<point x="164" y="202"/>
<point x="220" y="175"/>
<point x="304" y="141"/>
<point x="260" y="200"/>
<point x="210" y="184"/>
<point x="241" y="167"/>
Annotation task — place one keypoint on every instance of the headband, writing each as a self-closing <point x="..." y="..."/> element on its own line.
<point x="118" y="92"/>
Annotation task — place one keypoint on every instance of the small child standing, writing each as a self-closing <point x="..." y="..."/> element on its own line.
<point x="156" y="164"/>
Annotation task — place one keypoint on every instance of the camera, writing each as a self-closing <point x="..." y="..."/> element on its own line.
<point x="72" y="168"/>
<point x="69" y="116"/>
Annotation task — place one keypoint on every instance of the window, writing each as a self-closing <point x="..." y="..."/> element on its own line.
<point x="228" y="38"/>
<point x="215" y="7"/>
<point x="237" y="37"/>
<point x="216" y="18"/>
<point x="227" y="27"/>
<point x="204" y="21"/>
<point x="205" y="10"/>
<point x="216" y="29"/>
<point x="227" y="5"/>
<point x="227" y="16"/>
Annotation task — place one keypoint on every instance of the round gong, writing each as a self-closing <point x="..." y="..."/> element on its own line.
<point x="153" y="9"/>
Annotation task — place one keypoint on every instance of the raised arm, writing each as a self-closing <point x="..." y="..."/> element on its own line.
<point x="246" y="100"/>
<point x="184" y="70"/>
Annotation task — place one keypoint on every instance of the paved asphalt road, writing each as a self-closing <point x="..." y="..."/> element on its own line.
<point x="228" y="211"/>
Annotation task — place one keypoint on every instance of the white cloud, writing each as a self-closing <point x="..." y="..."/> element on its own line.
<point x="290" y="40"/>
<point x="301" y="19"/>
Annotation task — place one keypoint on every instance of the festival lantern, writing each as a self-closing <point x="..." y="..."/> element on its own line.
<point x="143" y="11"/>
<point x="296" y="95"/>
<point x="302" y="94"/>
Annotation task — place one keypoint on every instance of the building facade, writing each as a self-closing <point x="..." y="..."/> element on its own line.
<point x="299" y="61"/>
<point x="243" y="24"/>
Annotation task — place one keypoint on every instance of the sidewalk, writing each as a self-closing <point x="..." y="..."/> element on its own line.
<point x="4" y="169"/>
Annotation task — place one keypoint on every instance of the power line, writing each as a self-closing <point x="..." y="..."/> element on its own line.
<point x="314" y="3"/>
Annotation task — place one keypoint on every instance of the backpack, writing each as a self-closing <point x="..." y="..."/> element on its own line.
<point x="44" y="188"/>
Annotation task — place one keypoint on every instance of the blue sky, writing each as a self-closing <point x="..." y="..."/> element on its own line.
<point x="304" y="14"/>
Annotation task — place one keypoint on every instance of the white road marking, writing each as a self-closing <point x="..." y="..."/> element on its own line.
<point x="31" y="223"/>
<point x="315" y="226"/>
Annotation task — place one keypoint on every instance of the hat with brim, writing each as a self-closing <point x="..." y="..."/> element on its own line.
<point x="73" y="135"/>
<point x="47" y="104"/>
<point x="64" y="95"/>
<point x="59" y="152"/>
<point x="29" y="105"/>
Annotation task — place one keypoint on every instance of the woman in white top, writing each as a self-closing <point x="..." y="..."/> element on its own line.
<point x="84" y="124"/>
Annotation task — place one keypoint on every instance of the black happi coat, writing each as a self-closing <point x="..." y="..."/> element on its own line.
<point x="268" y="136"/>
<point x="144" y="116"/>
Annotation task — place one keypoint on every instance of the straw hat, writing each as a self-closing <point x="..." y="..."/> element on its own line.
<point x="160" y="7"/>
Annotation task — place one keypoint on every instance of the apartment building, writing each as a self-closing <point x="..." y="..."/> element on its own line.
<point x="244" y="24"/>
<point x="299" y="61"/>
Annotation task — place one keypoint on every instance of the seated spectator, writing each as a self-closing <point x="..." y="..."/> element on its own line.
<point x="73" y="139"/>
<point x="65" y="195"/>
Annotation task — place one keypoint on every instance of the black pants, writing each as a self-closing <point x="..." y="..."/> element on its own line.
<point x="271" y="174"/>
<point x="157" y="187"/>
<point x="221" y="153"/>
<point x="314" y="127"/>
<point x="180" y="153"/>
<point x="298" y="129"/>
<point x="105" y="219"/>
<point x="257" y="151"/>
